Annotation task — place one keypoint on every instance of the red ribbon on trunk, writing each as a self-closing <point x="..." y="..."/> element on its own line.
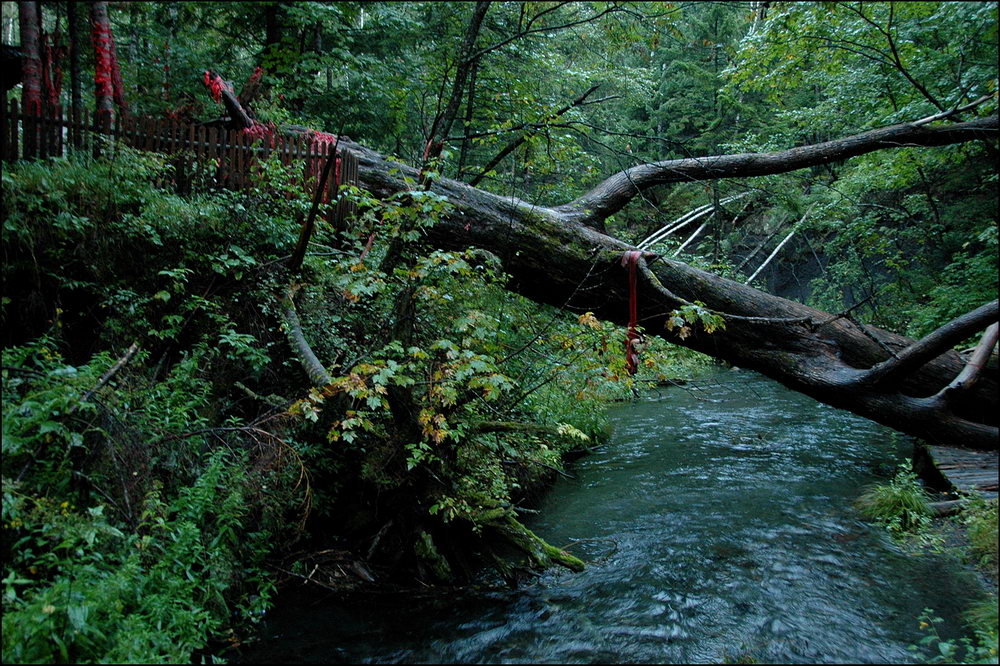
<point x="631" y="259"/>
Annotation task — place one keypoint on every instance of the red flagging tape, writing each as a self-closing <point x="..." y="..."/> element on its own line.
<point x="631" y="259"/>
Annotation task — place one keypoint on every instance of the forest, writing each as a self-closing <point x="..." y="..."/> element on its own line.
<point x="364" y="365"/>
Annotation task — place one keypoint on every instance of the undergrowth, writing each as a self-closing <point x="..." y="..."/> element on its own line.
<point x="163" y="451"/>
<point x="901" y="505"/>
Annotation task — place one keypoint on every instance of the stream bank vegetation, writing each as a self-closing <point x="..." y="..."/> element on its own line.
<point x="903" y="507"/>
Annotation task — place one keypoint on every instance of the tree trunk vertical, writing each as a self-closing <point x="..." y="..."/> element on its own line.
<point x="31" y="67"/>
<point x="103" y="84"/>
<point x="75" y="84"/>
<point x="273" y="27"/>
<point x="463" y="66"/>
<point x="470" y="107"/>
<point x="171" y="36"/>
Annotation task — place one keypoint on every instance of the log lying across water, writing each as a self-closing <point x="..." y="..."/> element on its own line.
<point x="556" y="255"/>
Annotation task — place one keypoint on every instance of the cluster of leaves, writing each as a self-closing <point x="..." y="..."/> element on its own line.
<point x="981" y="648"/>
<point x="687" y="318"/>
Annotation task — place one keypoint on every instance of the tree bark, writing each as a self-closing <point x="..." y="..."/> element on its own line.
<point x="75" y="81"/>
<point x="103" y="63"/>
<point x="555" y="256"/>
<point x="31" y="64"/>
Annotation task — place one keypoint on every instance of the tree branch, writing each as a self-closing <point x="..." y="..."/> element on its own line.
<point x="931" y="346"/>
<point x="970" y="373"/>
<point x="513" y="145"/>
<point x="310" y="363"/>
<point x="106" y="377"/>
<point x="614" y="193"/>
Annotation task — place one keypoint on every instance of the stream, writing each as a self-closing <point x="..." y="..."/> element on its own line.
<point x="718" y="528"/>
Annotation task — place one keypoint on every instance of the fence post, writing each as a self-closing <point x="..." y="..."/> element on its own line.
<point x="9" y="131"/>
<point x="62" y="123"/>
<point x="29" y="128"/>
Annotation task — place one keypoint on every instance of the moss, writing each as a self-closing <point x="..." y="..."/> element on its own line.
<point x="541" y="553"/>
<point x="428" y="553"/>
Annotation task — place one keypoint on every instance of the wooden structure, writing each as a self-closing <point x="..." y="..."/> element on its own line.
<point x="202" y="157"/>
<point x="959" y="470"/>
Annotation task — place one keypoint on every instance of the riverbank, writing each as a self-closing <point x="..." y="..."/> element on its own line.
<point x="942" y="504"/>
<point x="717" y="524"/>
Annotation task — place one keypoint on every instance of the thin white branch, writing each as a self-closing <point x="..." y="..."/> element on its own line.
<point x="683" y="220"/>
<point x="780" y="245"/>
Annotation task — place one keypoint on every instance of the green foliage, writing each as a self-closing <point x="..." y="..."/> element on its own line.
<point x="980" y="519"/>
<point x="135" y="521"/>
<point x="901" y="506"/>
<point x="123" y="577"/>
<point x="78" y="589"/>
<point x="902" y="230"/>
<point x="691" y="315"/>
<point x="967" y="282"/>
<point x="439" y="354"/>
<point x="451" y="397"/>
<point x="981" y="648"/>
<point x="832" y="67"/>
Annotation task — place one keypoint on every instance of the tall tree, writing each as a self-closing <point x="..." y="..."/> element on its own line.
<point x="100" y="30"/>
<point x="28" y="14"/>
<point x="464" y="64"/>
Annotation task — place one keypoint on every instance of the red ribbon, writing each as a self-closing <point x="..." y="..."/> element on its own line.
<point x="101" y="35"/>
<point x="631" y="259"/>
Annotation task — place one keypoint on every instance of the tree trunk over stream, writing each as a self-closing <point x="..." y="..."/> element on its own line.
<point x="555" y="255"/>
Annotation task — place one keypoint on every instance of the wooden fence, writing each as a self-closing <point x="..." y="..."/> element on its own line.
<point x="202" y="157"/>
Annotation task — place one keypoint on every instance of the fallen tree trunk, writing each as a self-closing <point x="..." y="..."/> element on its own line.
<point x="556" y="256"/>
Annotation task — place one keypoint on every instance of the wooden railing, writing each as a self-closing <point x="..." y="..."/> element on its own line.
<point x="202" y="157"/>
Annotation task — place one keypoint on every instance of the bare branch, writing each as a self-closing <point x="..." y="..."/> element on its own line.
<point x="106" y="377"/>
<point x="931" y="346"/>
<point x="970" y="373"/>
<point x="513" y="145"/>
<point x="614" y="193"/>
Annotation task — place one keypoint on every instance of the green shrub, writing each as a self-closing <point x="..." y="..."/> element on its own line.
<point x="79" y="589"/>
<point x="981" y="648"/>
<point x="980" y="517"/>
<point x="901" y="505"/>
<point x="121" y="543"/>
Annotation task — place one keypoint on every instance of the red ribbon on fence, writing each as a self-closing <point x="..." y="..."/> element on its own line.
<point x="631" y="259"/>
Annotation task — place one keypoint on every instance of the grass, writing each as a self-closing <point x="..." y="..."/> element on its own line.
<point x="901" y="506"/>
<point x="980" y="519"/>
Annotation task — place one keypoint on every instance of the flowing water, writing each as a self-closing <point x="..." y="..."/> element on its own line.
<point x="718" y="526"/>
